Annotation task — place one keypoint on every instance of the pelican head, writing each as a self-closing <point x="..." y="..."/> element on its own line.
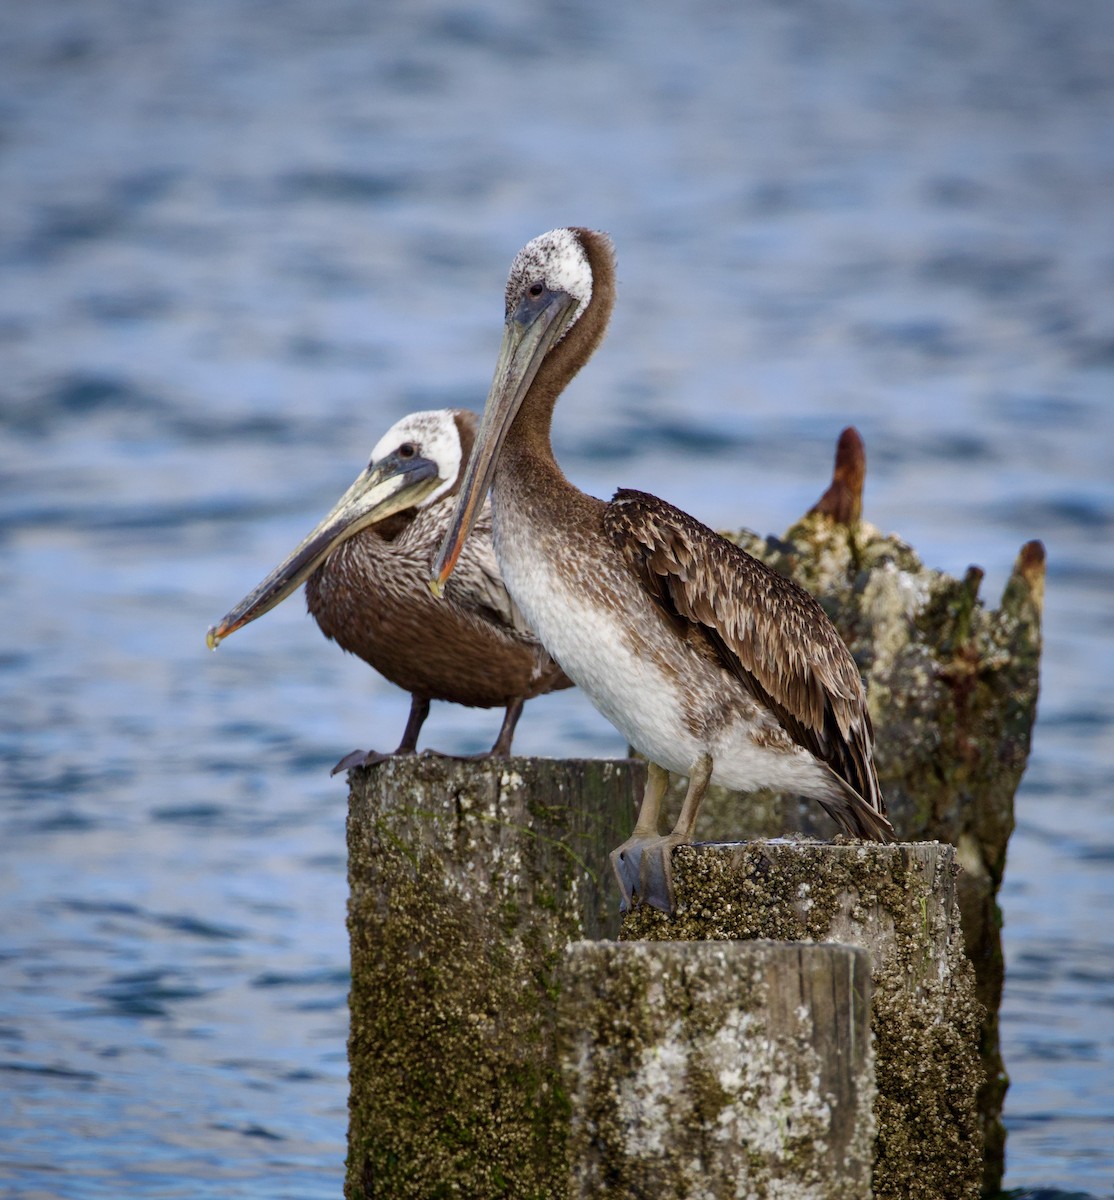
<point x="548" y="289"/>
<point x="414" y="464"/>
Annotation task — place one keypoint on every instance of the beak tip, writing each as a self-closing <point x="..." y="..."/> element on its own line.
<point x="211" y="638"/>
<point x="437" y="587"/>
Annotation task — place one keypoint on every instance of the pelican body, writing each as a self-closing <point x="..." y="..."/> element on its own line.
<point x="711" y="664"/>
<point x="366" y="567"/>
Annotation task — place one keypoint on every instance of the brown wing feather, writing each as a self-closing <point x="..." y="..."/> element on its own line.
<point x="767" y="630"/>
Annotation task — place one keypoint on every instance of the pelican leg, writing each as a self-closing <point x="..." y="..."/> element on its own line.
<point x="502" y="747"/>
<point x="655" y="868"/>
<point x="419" y="710"/>
<point x="626" y="859"/>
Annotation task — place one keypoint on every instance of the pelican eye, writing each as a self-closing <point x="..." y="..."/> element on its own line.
<point x="536" y="289"/>
<point x="407" y="450"/>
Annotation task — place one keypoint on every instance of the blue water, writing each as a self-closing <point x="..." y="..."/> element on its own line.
<point x="238" y="239"/>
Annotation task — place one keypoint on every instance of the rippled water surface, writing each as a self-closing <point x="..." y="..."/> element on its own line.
<point x="238" y="239"/>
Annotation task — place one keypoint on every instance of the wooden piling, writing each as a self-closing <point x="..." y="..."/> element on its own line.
<point x="468" y="879"/>
<point x="898" y="903"/>
<point x="952" y="688"/>
<point x="718" y="1069"/>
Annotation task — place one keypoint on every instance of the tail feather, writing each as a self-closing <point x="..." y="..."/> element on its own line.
<point x="854" y="815"/>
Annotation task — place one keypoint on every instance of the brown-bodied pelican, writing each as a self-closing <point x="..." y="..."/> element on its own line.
<point x="367" y="567"/>
<point x="711" y="665"/>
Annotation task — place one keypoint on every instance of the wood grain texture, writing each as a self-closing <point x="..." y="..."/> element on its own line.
<point x="467" y="881"/>
<point x="898" y="903"/>
<point x="735" y="1069"/>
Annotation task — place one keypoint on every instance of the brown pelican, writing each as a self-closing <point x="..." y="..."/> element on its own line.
<point x="367" y="565"/>
<point x="711" y="665"/>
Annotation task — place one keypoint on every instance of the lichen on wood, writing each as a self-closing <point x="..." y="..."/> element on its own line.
<point x="897" y="902"/>
<point x="708" y="1069"/>
<point x="952" y="690"/>
<point x="467" y="881"/>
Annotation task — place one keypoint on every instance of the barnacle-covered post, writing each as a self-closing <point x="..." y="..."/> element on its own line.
<point x="698" y="1068"/>
<point x="897" y="903"/>
<point x="488" y="1058"/>
<point x="952" y="690"/>
<point x="467" y="881"/>
<point x="494" y="1052"/>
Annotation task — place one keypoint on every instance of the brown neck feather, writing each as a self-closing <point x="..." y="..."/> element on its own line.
<point x="529" y="434"/>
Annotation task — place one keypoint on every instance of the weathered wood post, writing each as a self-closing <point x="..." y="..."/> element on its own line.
<point x="718" y="1069"/>
<point x="952" y="686"/>
<point x="898" y="903"/>
<point x="467" y="881"/>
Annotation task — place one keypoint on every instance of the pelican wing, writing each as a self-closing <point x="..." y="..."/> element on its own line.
<point x="765" y="629"/>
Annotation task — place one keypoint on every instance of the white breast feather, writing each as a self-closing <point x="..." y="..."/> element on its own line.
<point x="630" y="689"/>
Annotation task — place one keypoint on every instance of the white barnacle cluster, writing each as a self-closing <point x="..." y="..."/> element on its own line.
<point x="558" y="260"/>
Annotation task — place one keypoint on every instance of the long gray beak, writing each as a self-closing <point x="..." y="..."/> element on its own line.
<point x="528" y="335"/>
<point x="386" y="487"/>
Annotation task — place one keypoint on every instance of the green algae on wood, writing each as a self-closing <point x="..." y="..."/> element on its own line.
<point x="898" y="903"/>
<point x="708" y="1069"/>
<point x="467" y="881"/>
<point x="952" y="690"/>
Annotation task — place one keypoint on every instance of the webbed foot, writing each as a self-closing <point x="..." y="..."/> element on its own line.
<point x="480" y="756"/>
<point x="360" y="758"/>
<point x="643" y="865"/>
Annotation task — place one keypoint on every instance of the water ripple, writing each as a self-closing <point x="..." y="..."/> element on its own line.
<point x="234" y="249"/>
<point x="145" y="993"/>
